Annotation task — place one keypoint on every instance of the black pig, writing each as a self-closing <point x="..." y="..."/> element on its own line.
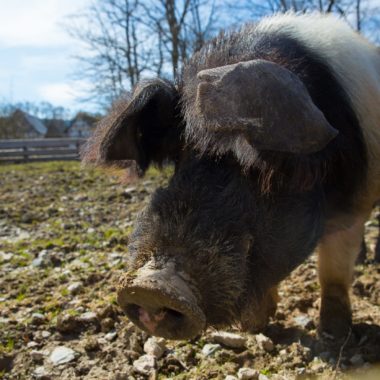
<point x="274" y="133"/>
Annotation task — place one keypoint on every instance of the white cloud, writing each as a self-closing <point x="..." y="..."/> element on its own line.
<point x="59" y="93"/>
<point x="36" y="22"/>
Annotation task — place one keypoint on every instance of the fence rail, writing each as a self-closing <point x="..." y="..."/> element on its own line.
<point x="40" y="149"/>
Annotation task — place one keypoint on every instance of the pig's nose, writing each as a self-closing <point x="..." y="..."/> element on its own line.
<point x="161" y="303"/>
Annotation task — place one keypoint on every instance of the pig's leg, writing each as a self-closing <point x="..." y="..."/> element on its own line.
<point x="338" y="250"/>
<point x="255" y="316"/>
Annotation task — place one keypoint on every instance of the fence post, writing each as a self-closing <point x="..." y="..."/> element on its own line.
<point x="25" y="150"/>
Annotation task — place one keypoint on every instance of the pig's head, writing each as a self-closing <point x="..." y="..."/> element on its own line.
<point x="210" y="247"/>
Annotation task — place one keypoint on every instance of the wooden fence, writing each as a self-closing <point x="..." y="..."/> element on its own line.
<point x="40" y="149"/>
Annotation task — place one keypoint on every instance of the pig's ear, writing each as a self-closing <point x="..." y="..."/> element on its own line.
<point x="264" y="102"/>
<point x="142" y="130"/>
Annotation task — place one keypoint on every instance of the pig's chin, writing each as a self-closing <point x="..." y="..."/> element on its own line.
<point x="160" y="302"/>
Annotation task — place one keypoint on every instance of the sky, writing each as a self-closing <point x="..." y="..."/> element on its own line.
<point x="36" y="53"/>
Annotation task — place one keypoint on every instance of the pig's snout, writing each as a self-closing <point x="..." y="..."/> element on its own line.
<point x="160" y="302"/>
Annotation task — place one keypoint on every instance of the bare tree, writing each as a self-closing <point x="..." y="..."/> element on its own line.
<point x="128" y="39"/>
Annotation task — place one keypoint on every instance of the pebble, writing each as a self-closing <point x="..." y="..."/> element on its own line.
<point x="37" y="355"/>
<point x="144" y="364"/>
<point x="230" y="377"/>
<point x="6" y="256"/>
<point x="75" y="287"/>
<point x="248" y="374"/>
<point x="208" y="349"/>
<point x="41" y="373"/>
<point x="264" y="342"/>
<point x="111" y="336"/>
<point x="45" y="334"/>
<point x="303" y="321"/>
<point x="91" y="344"/>
<point x="62" y="355"/>
<point x="263" y="377"/>
<point x="155" y="347"/>
<point x="32" y="344"/>
<point x="88" y="317"/>
<point x="229" y="339"/>
<point x="38" y="318"/>
<point x="357" y="360"/>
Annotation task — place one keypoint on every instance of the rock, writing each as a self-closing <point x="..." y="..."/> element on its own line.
<point x="107" y="324"/>
<point x="91" y="344"/>
<point x="45" y="334"/>
<point x="230" y="377"/>
<point x="41" y="373"/>
<point x="155" y="347"/>
<point x="62" y="355"/>
<point x="144" y="364"/>
<point x="264" y="342"/>
<point x="357" y="360"/>
<point x="111" y="336"/>
<point x="42" y="260"/>
<point x="88" y="317"/>
<point x="263" y="377"/>
<point x="37" y="356"/>
<point x="38" y="319"/>
<point x="229" y="339"/>
<point x="209" y="349"/>
<point x="4" y="256"/>
<point x="32" y="344"/>
<point x="303" y="321"/>
<point x="67" y="323"/>
<point x="75" y="287"/>
<point x="248" y="374"/>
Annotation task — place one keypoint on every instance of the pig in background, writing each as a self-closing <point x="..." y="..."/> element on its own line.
<point x="274" y="132"/>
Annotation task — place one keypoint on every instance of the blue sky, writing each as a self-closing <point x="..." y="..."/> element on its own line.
<point x="36" y="52"/>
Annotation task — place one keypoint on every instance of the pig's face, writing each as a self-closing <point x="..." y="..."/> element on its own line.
<point x="196" y="232"/>
<point x="210" y="247"/>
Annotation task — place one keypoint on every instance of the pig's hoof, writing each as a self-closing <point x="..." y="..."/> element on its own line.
<point x="335" y="317"/>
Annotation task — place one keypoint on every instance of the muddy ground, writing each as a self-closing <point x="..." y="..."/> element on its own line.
<point x="63" y="236"/>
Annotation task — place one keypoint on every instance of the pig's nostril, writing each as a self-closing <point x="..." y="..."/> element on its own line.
<point x="173" y="314"/>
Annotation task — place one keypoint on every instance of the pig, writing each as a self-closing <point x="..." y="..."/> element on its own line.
<point x="273" y="131"/>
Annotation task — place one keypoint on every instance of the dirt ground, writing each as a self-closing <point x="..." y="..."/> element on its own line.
<point x="63" y="237"/>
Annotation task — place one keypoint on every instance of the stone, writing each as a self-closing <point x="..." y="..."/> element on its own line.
<point x="263" y="377"/>
<point x="303" y="321"/>
<point x="32" y="344"/>
<point x="37" y="356"/>
<point x="229" y="339"/>
<point x="38" y="319"/>
<point x="5" y="256"/>
<point x="91" y="344"/>
<point x="145" y="364"/>
<point x="248" y="374"/>
<point x="155" y="347"/>
<point x="88" y="317"/>
<point x="357" y="360"/>
<point x="209" y="349"/>
<point x="67" y="323"/>
<point x="62" y="355"/>
<point x="41" y="373"/>
<point x="230" y="377"/>
<point x="111" y="336"/>
<point x="45" y="334"/>
<point x="75" y="287"/>
<point x="264" y="342"/>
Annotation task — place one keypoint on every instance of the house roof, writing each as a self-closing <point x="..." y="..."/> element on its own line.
<point x="36" y="123"/>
